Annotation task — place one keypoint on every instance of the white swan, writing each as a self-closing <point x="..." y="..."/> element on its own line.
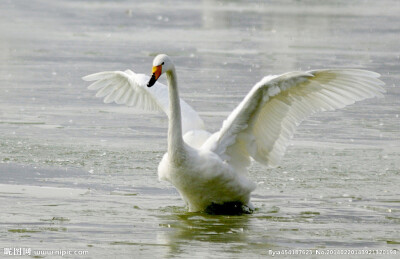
<point x="209" y="171"/>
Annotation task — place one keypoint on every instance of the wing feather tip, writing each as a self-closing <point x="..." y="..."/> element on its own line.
<point x="99" y="75"/>
<point x="87" y="78"/>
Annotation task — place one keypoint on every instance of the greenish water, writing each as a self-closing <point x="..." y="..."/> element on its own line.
<point x="77" y="174"/>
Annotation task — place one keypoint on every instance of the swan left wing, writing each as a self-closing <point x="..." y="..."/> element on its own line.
<point x="131" y="89"/>
<point x="264" y="122"/>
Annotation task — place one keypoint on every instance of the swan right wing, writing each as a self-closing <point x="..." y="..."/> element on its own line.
<point x="131" y="89"/>
<point x="264" y="122"/>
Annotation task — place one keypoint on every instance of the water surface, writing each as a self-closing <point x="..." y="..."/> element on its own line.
<point x="78" y="174"/>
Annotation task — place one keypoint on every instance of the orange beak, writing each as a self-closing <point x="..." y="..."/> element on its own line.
<point x="157" y="71"/>
<point x="156" y="74"/>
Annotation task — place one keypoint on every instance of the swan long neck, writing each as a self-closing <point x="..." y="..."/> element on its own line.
<point x="175" y="141"/>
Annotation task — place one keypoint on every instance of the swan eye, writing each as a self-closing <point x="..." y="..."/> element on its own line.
<point x="162" y="63"/>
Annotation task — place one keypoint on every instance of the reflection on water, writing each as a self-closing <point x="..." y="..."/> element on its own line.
<point x="181" y="230"/>
<point x="204" y="227"/>
<point x="78" y="174"/>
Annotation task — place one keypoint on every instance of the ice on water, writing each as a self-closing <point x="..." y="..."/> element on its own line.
<point x="79" y="174"/>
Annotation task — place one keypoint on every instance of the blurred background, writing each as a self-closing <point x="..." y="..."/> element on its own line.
<point x="77" y="173"/>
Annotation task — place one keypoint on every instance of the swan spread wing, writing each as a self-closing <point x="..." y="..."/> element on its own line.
<point x="264" y="122"/>
<point x="130" y="88"/>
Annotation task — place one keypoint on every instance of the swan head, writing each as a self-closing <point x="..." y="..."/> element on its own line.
<point x="161" y="64"/>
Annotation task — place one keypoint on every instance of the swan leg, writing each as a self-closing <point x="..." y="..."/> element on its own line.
<point x="229" y="208"/>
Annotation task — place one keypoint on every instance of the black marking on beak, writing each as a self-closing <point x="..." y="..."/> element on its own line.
<point x="152" y="81"/>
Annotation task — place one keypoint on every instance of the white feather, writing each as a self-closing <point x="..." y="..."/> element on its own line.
<point x="277" y="104"/>
<point x="209" y="169"/>
<point x="130" y="89"/>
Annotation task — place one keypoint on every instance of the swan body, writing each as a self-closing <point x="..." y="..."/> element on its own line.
<point x="210" y="170"/>
<point x="202" y="178"/>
